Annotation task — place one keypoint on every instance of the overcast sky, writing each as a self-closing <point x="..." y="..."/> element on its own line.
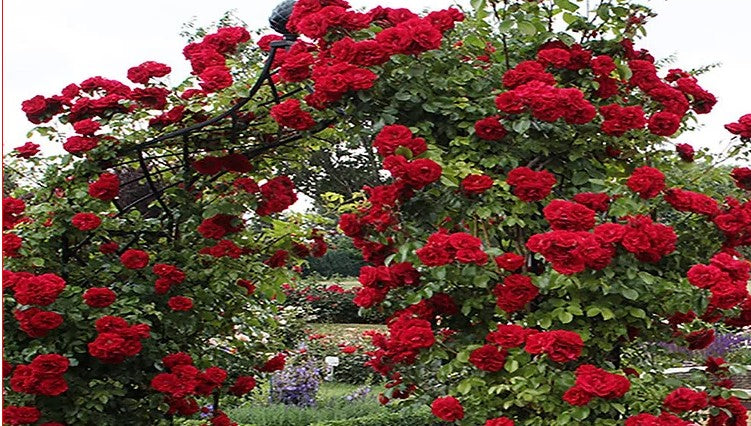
<point x="49" y="44"/>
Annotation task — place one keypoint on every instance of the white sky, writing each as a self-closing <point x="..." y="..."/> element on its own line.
<point x="48" y="44"/>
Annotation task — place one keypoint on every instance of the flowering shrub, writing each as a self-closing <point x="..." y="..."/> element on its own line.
<point x="539" y="223"/>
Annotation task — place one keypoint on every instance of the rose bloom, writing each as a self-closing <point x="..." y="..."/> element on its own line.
<point x="488" y="358"/>
<point x="99" y="297"/>
<point x="646" y="181"/>
<point x="490" y="129"/>
<point x="134" y="259"/>
<point x="27" y="150"/>
<point x="499" y="421"/>
<point x="447" y="408"/>
<point x="684" y="399"/>
<point x="476" y="184"/>
<point x="86" y="221"/>
<point x="180" y="303"/>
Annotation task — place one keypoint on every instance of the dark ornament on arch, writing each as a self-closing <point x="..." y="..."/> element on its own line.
<point x="279" y="18"/>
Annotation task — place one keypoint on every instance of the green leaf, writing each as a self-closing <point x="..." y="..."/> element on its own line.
<point x="607" y="314"/>
<point x="566" y="5"/>
<point x="630" y="294"/>
<point x="593" y="311"/>
<point x="527" y="28"/>
<point x="565" y="317"/>
<point x="478" y="4"/>
<point x="511" y="365"/>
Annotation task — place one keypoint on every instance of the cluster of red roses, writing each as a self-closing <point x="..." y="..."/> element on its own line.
<point x="681" y="400"/>
<point x="184" y="381"/>
<point x="339" y="67"/>
<point x="22" y="415"/>
<point x="219" y="225"/>
<point x="277" y="194"/>
<point x="211" y="165"/>
<point x="224" y="248"/>
<point x="515" y="293"/>
<point x="407" y="336"/>
<point x="725" y="277"/>
<point x="595" y="382"/>
<point x="106" y="188"/>
<point x="530" y="185"/>
<point x="735" y="223"/>
<point x="117" y="339"/>
<point x="742" y="127"/>
<point x="378" y="280"/>
<point x="85" y="221"/>
<point x="443" y="248"/>
<point x="13" y="209"/>
<point x="43" y="376"/>
<point x="169" y="276"/>
<point x="99" y="297"/>
<point x="207" y="57"/>
<point x="533" y="89"/>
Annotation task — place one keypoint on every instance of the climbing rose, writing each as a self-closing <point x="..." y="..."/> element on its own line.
<point x="106" y="188"/>
<point x="515" y="292"/>
<point x="27" y="150"/>
<point x="447" y="408"/>
<point x="559" y="345"/>
<point x="499" y="421"/>
<point x="180" y="303"/>
<point x="134" y="259"/>
<point x="476" y="184"/>
<point x="490" y="129"/>
<point x="289" y="114"/>
<point x="646" y="181"/>
<point x="99" y="297"/>
<point x="86" y="221"/>
<point x="530" y="185"/>
<point x="488" y="358"/>
<point x="684" y="399"/>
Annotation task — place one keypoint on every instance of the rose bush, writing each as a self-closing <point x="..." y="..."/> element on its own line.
<point x="537" y="224"/>
<point x="540" y="225"/>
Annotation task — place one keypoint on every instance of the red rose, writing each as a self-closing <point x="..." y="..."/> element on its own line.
<point x="99" y="297"/>
<point x="601" y="383"/>
<point x="510" y="261"/>
<point x="109" y="247"/>
<point x="741" y="128"/>
<point x="476" y="184"/>
<point x="499" y="421"/>
<point x="106" y="188"/>
<point x="515" y="292"/>
<point x="577" y="396"/>
<point x="242" y="385"/>
<point x="134" y="259"/>
<point x="180" y="303"/>
<point x="559" y="345"/>
<point x="684" y="399"/>
<point x="39" y="290"/>
<point x="664" y="123"/>
<point x="700" y="339"/>
<point x="48" y="365"/>
<point x="490" y="129"/>
<point x="27" y="150"/>
<point x="80" y="144"/>
<point x="447" y="408"/>
<point x="422" y="172"/>
<point x="567" y="216"/>
<point x="142" y="73"/>
<point x="742" y="177"/>
<point x="86" y="127"/>
<point x="289" y="114"/>
<point x="488" y="358"/>
<point x="646" y="181"/>
<point x="14" y="415"/>
<point x="530" y="185"/>
<point x="274" y="363"/>
<point x="599" y="202"/>
<point x="685" y="151"/>
<point x="509" y="335"/>
<point x="86" y="221"/>
<point x="215" y="78"/>
<point x="208" y="165"/>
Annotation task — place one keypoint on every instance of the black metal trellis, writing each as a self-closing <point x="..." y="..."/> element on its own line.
<point x="142" y="186"/>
